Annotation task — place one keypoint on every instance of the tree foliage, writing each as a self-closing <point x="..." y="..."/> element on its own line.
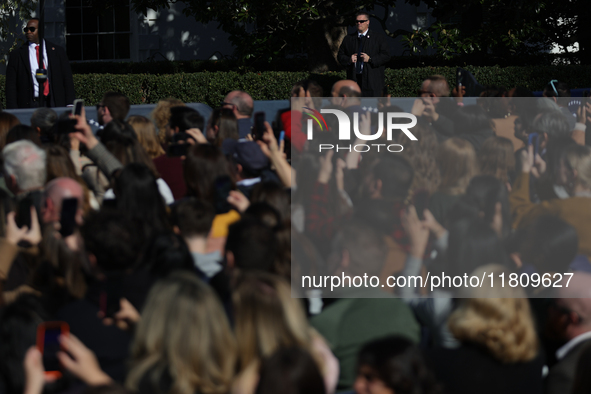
<point x="264" y="30"/>
<point x="12" y="13"/>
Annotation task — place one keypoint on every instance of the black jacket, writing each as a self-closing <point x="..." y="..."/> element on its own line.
<point x="376" y="46"/>
<point x="19" y="81"/>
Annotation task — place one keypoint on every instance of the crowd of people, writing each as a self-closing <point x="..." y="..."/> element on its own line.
<point x="175" y="247"/>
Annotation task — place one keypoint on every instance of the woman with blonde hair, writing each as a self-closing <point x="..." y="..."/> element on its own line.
<point x="183" y="343"/>
<point x="161" y="115"/>
<point x="456" y="159"/>
<point x="146" y="135"/>
<point x="499" y="350"/>
<point x="267" y="319"/>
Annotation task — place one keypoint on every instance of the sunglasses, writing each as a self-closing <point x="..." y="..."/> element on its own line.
<point x="361" y="20"/>
<point x="31" y="29"/>
<point x="99" y="106"/>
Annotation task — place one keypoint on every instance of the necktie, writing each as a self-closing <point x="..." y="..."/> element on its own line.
<point x="46" y="83"/>
<point x="359" y="63"/>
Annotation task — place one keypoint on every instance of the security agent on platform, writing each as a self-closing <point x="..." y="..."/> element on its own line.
<point x="31" y="83"/>
<point x="365" y="54"/>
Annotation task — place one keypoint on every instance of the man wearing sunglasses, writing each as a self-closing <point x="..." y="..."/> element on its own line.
<point x="365" y="53"/>
<point x="23" y="90"/>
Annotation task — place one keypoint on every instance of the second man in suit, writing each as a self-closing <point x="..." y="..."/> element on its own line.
<point x="365" y="54"/>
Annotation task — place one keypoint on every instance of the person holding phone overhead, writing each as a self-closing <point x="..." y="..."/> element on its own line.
<point x="365" y="54"/>
<point x="23" y="90"/>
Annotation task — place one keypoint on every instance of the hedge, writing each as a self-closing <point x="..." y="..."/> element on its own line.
<point x="301" y="64"/>
<point x="211" y="87"/>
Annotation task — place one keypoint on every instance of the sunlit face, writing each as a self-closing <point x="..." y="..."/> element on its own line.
<point x="362" y="23"/>
<point x="32" y="36"/>
<point x="368" y="382"/>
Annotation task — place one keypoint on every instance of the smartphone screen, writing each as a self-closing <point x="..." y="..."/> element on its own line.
<point x="48" y="334"/>
<point x="65" y="126"/>
<point x="78" y="104"/>
<point x="68" y="216"/>
<point x="23" y="213"/>
<point x="421" y="202"/>
<point x="223" y="186"/>
<point x="182" y="136"/>
<point x="533" y="139"/>
<point x="259" y="125"/>
<point x="178" y="150"/>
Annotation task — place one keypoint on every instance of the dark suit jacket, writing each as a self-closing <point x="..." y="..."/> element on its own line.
<point x="562" y="375"/>
<point x="19" y="81"/>
<point x="376" y="46"/>
<point x="470" y="369"/>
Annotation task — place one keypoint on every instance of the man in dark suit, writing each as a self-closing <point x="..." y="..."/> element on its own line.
<point x="22" y="88"/>
<point x="365" y="54"/>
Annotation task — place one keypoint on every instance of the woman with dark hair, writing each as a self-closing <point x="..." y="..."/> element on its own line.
<point x="23" y="132"/>
<point x="269" y="216"/>
<point x="474" y="125"/>
<point x="121" y="140"/>
<point x="486" y="198"/>
<point x="204" y="163"/>
<point x="166" y="253"/>
<point x="137" y="196"/>
<point x="290" y="370"/>
<point x="276" y="196"/>
<point x="221" y="126"/>
<point x="393" y="365"/>
<point x="547" y="245"/>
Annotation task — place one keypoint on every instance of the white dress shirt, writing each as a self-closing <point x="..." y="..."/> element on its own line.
<point x="565" y="349"/>
<point x="359" y="35"/>
<point x="35" y="65"/>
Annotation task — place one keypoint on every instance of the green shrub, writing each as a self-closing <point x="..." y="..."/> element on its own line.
<point x="211" y="87"/>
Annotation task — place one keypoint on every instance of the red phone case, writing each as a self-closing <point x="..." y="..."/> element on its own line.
<point x="65" y="330"/>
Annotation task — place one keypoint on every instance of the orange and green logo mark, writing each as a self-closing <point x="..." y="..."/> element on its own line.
<point x="317" y="117"/>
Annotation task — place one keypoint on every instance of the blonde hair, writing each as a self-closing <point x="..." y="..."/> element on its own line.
<point x="146" y="135"/>
<point x="578" y="157"/>
<point x="496" y="158"/>
<point x="504" y="326"/>
<point x="184" y="331"/>
<point x="267" y="318"/>
<point x="457" y="165"/>
<point x="161" y="115"/>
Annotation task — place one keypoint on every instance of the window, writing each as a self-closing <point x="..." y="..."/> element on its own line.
<point x="93" y="34"/>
